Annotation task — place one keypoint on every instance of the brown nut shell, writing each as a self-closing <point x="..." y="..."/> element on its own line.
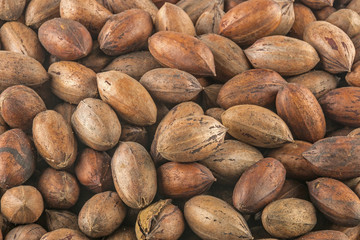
<point x="353" y="77"/>
<point x="181" y="51"/>
<point x="56" y="219"/>
<point x="29" y="232"/>
<point x="259" y="185"/>
<point x="54" y="139"/>
<point x="66" y="39"/>
<point x="347" y="20"/>
<point x="287" y="17"/>
<point x="123" y="233"/>
<point x="39" y="11"/>
<point x="11" y="10"/>
<point x="134" y="175"/>
<point x="303" y="17"/>
<point x="69" y="234"/>
<point x="324" y="235"/>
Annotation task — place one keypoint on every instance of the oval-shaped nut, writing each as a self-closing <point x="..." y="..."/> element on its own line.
<point x="22" y="204"/>
<point x="173" y="18"/>
<point x="303" y="17"/>
<point x="181" y="110"/>
<point x="96" y="124"/>
<point x="231" y="159"/>
<point x="54" y="139"/>
<point x="194" y="8"/>
<point x="289" y="218"/>
<point x="29" y="231"/>
<point x="39" y="11"/>
<point x="335" y="157"/>
<point x="171" y="85"/>
<point x="128" y="97"/>
<point x="134" y="175"/>
<point x="287" y="17"/>
<point x="324" y="13"/>
<point x="336" y="201"/>
<point x="184" y="180"/>
<point x="293" y="189"/>
<point x="123" y="233"/>
<point x="160" y="220"/>
<point x="17" y="37"/>
<point x="212" y="218"/>
<point x="56" y="219"/>
<point x="324" y="235"/>
<point x="66" y="233"/>
<point x="181" y="51"/>
<point x="285" y="55"/>
<point x="96" y="219"/>
<point x="125" y="32"/>
<point x="229" y="58"/>
<point x="59" y="188"/>
<point x="256" y="126"/>
<point x="290" y="155"/>
<point x="347" y="20"/>
<point x="19" y="105"/>
<point x="317" y="4"/>
<point x="259" y="185"/>
<point x="215" y="113"/>
<point x="90" y="13"/>
<point x="72" y="82"/>
<point x="11" y="10"/>
<point x="353" y="77"/>
<point x="17" y="160"/>
<point x="299" y="108"/>
<point x="209" y="21"/>
<point x="341" y="105"/>
<point x="250" y="20"/>
<point x="66" y="39"/>
<point x="255" y="86"/>
<point x="18" y="68"/>
<point x="191" y="139"/>
<point x="318" y="82"/>
<point x="336" y="50"/>
<point x="134" y="64"/>
<point x="93" y="170"/>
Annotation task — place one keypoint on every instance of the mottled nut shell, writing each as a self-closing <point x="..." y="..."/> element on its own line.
<point x="181" y="51"/>
<point x="324" y="235"/>
<point x="39" y="11"/>
<point x="171" y="85"/>
<point x="347" y="20"/>
<point x="17" y="37"/>
<point x="184" y="180"/>
<point x="179" y="111"/>
<point x="190" y="139"/>
<point x="212" y="218"/>
<point x="134" y="64"/>
<point x="97" y="219"/>
<point x="287" y="17"/>
<point x="285" y="55"/>
<point x="194" y="8"/>
<point x="336" y="201"/>
<point x="93" y="170"/>
<point x="96" y="124"/>
<point x="66" y="110"/>
<point x="231" y="159"/>
<point x="131" y="133"/>
<point x="255" y="86"/>
<point x="353" y="77"/>
<point x="59" y="189"/>
<point x="56" y="219"/>
<point x="54" y="139"/>
<point x="22" y="204"/>
<point x="256" y="126"/>
<point x="28" y="232"/>
<point x="336" y="157"/>
<point x="65" y="38"/>
<point x="11" y="10"/>
<point x="289" y="218"/>
<point x="336" y="50"/>
<point x="17" y="160"/>
<point x="341" y="105"/>
<point x="210" y="94"/>
<point x="90" y="13"/>
<point x="303" y="17"/>
<point x="161" y="220"/>
<point x="134" y="175"/>
<point x="173" y="18"/>
<point x="68" y="234"/>
<point x="123" y="233"/>
<point x="72" y="82"/>
<point x="259" y="185"/>
<point x="290" y="155"/>
<point x="293" y="189"/>
<point x="318" y="82"/>
<point x="209" y="21"/>
<point x="229" y="58"/>
<point x="19" y="105"/>
<point x="128" y="97"/>
<point x="97" y="59"/>
<point x="125" y="32"/>
<point x="299" y="108"/>
<point x="324" y="13"/>
<point x="250" y="20"/>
